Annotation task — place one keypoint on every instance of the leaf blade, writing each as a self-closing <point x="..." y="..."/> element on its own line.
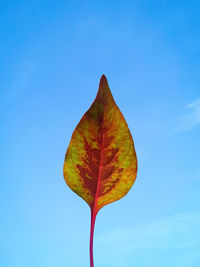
<point x="101" y="163"/>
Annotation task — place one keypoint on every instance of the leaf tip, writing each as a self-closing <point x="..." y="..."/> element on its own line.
<point x="103" y="78"/>
<point x="104" y="90"/>
<point x="103" y="82"/>
<point x="103" y="85"/>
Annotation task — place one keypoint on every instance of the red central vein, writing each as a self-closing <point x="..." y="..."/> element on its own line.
<point x="94" y="208"/>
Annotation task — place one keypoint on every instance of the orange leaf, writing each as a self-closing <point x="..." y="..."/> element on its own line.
<point x="100" y="163"/>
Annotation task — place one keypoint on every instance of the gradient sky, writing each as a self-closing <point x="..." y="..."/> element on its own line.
<point x="52" y="55"/>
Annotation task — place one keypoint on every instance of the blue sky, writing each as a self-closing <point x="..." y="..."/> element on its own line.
<point x="52" y="56"/>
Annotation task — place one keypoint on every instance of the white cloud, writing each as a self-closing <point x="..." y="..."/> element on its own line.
<point x="191" y="118"/>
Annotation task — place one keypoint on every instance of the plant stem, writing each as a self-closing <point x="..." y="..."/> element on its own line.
<point x="93" y="218"/>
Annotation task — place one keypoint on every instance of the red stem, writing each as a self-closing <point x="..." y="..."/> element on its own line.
<point x="93" y="217"/>
<point x="94" y="208"/>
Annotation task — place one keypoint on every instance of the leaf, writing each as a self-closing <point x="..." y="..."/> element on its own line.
<point x="100" y="163"/>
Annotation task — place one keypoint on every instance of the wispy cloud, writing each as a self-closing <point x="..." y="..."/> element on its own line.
<point x="180" y="232"/>
<point x="161" y="124"/>
<point x="191" y="118"/>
